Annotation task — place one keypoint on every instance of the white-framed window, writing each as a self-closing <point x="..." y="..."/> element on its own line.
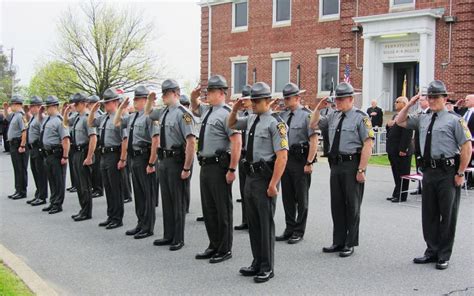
<point x="402" y="4"/>
<point x="281" y="69"/>
<point x="240" y="13"/>
<point x="328" y="69"/>
<point x="239" y="74"/>
<point x="329" y="10"/>
<point x="281" y="13"/>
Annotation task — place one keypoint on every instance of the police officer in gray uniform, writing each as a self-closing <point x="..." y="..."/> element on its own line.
<point x="176" y="154"/>
<point x="351" y="136"/>
<point x="112" y="144"/>
<point x="218" y="153"/>
<point x="17" y="140"/>
<point x="55" y="144"/>
<point x="445" y="145"/>
<point x="267" y="153"/>
<point x="184" y="100"/>
<point x="36" y="158"/>
<point x="247" y="110"/>
<point x="72" y="174"/>
<point x="143" y="140"/>
<point x="85" y="139"/>
<point x="97" y="184"/>
<point x="295" y="182"/>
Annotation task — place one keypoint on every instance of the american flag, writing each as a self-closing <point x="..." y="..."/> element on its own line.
<point x="347" y="74"/>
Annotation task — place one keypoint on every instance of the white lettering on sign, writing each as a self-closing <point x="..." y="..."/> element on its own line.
<point x="400" y="50"/>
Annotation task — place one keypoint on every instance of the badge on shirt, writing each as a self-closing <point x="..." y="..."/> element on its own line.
<point x="187" y="118"/>
<point x="282" y="129"/>
<point x="467" y="132"/>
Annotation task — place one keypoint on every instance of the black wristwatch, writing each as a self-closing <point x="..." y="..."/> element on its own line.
<point x="152" y="165"/>
<point x="360" y="171"/>
<point x="460" y="174"/>
<point x="232" y="170"/>
<point x="186" y="170"/>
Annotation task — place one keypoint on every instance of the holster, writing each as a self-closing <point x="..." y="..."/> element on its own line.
<point x="224" y="158"/>
<point x="299" y="151"/>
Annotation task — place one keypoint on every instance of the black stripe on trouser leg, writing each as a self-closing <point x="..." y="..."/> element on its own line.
<point x="112" y="180"/>
<point x="83" y="174"/>
<point x="143" y="189"/>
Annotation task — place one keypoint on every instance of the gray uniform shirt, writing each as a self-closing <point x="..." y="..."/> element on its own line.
<point x="16" y="125"/>
<point x="450" y="131"/>
<point x="143" y="129"/>
<point x="299" y="131"/>
<point x="217" y="131"/>
<point x="113" y="135"/>
<point x="80" y="131"/>
<point x="34" y="130"/>
<point x="356" y="128"/>
<point x="179" y="124"/>
<point x="270" y="135"/>
<point x="54" y="131"/>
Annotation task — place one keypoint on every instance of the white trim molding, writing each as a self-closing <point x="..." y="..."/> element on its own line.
<point x="203" y="3"/>
<point x="328" y="50"/>
<point x="401" y="7"/>
<point x="329" y="17"/>
<point x="280" y="55"/>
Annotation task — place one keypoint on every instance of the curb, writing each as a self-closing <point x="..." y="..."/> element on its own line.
<point x="36" y="284"/>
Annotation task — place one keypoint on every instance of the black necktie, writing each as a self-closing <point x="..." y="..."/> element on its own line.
<point x="427" y="152"/>
<point x="244" y="133"/>
<point x="130" y="136"/>
<point x="102" y="133"/>
<point x="290" y="117"/>
<point x="249" y="155"/>
<point x="337" y="138"/>
<point x="202" y="131"/>
<point x="28" y="130"/>
<point x="73" y="132"/>
<point x="42" y="132"/>
<point x="162" y="131"/>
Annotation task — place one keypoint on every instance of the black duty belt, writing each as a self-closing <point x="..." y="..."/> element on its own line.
<point x="263" y="168"/>
<point x="34" y="145"/>
<point x="113" y="149"/>
<point x="53" y="151"/>
<point x="343" y="158"/>
<point x="79" y="148"/>
<point x="208" y="160"/>
<point x="141" y="151"/>
<point x="15" y="141"/>
<point x="439" y="163"/>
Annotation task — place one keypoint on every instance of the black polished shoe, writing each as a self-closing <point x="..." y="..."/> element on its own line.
<point x="346" y="252"/>
<point x="55" y="210"/>
<point x="162" y="242"/>
<point x="425" y="259"/>
<point x="133" y="231"/>
<point x="19" y="196"/>
<point x="390" y="198"/>
<point x="249" y="271"/>
<point x="333" y="249"/>
<point x="415" y="193"/>
<point x="96" y="194"/>
<point x="82" y="218"/>
<point x="177" y="246"/>
<point x="295" y="238"/>
<point x="47" y="209"/>
<point x="219" y="257"/>
<point x="242" y="226"/>
<point x="72" y="189"/>
<point x="200" y="219"/>
<point x="38" y="202"/>
<point x="142" y="234"/>
<point x="31" y="200"/>
<point x="114" y="225"/>
<point x="105" y="223"/>
<point x="442" y="264"/>
<point x="127" y="200"/>
<point x="12" y="195"/>
<point x="207" y="254"/>
<point x="284" y="237"/>
<point x="263" y="276"/>
<point x="76" y="215"/>
<point x="238" y="200"/>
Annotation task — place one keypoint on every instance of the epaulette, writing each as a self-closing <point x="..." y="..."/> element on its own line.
<point x="183" y="109"/>
<point x="361" y="112"/>
<point x="227" y="108"/>
<point x="306" y="110"/>
<point x="454" y="113"/>
<point x="277" y="117"/>
<point x="60" y="116"/>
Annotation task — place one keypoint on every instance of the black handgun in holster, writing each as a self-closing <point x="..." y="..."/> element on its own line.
<point x="299" y="151"/>
<point x="267" y="168"/>
<point x="179" y="152"/>
<point x="224" y="158"/>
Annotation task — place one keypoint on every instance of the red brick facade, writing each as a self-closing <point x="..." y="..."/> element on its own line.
<point x="306" y="35"/>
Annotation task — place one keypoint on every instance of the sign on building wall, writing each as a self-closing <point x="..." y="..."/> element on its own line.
<point x="399" y="51"/>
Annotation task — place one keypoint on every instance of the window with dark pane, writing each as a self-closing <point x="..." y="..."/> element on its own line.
<point x="283" y="10"/>
<point x="240" y="14"/>
<point x="329" y="71"/>
<point x="240" y="77"/>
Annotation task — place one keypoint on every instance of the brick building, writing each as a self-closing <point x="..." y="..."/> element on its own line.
<point x="313" y="42"/>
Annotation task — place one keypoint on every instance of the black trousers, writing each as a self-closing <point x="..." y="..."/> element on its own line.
<point x="242" y="178"/>
<point x="346" y="199"/>
<point x="401" y="165"/>
<point x="126" y="181"/>
<point x="72" y="172"/>
<point x="173" y="199"/>
<point x="216" y="201"/>
<point x="39" y="174"/>
<point x="295" y="190"/>
<point x="260" y="212"/>
<point x="144" y="191"/>
<point x="187" y="190"/>
<point x="439" y="211"/>
<point x="83" y="174"/>
<point x="112" y="178"/>
<point x="326" y="143"/>
<point x="56" y="175"/>
<point x="96" y="175"/>
<point x="20" y="167"/>
<point x="6" y="144"/>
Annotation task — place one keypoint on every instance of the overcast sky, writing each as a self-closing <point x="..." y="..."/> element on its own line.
<point x="30" y="28"/>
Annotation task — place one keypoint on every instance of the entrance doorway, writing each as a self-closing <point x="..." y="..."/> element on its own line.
<point x="408" y="71"/>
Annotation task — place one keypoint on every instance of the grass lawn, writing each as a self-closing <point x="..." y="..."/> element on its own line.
<point x="10" y="284"/>
<point x="383" y="160"/>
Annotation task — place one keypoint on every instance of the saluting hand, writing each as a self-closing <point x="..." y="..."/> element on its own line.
<point x="151" y="96"/>
<point x="196" y="92"/>
<point x="5" y="105"/>
<point x="95" y="107"/>
<point x="321" y="105"/>
<point x="414" y="99"/>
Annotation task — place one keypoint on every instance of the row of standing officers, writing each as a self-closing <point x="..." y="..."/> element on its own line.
<point x="266" y="148"/>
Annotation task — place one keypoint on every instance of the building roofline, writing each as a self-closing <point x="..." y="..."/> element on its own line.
<point x="431" y="12"/>
<point x="204" y="3"/>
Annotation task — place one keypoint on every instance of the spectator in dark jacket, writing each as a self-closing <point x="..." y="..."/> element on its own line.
<point x="376" y="114"/>
<point x="400" y="150"/>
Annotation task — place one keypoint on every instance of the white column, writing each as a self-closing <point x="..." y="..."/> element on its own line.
<point x="427" y="59"/>
<point x="367" y="70"/>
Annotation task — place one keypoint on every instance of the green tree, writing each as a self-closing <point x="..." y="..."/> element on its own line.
<point x="54" y="78"/>
<point x="7" y="77"/>
<point x="107" y="47"/>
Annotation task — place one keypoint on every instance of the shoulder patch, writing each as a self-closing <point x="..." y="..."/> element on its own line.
<point x="467" y="132"/>
<point x="277" y="117"/>
<point x="284" y="143"/>
<point x="281" y="126"/>
<point x="367" y="122"/>
<point x="188" y="119"/>
<point x="226" y="107"/>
